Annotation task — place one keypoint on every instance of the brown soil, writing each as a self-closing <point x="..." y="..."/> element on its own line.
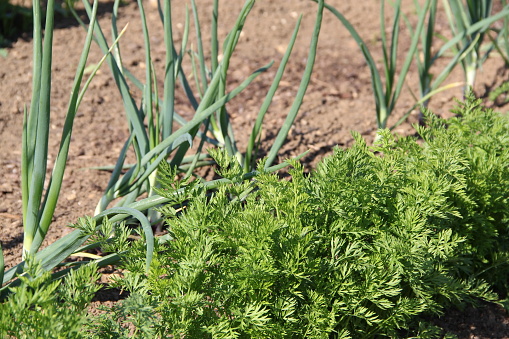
<point x="338" y="100"/>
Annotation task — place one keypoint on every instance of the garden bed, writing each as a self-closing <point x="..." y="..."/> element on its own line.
<point x="339" y="100"/>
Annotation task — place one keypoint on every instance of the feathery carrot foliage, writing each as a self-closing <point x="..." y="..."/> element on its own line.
<point x="371" y="240"/>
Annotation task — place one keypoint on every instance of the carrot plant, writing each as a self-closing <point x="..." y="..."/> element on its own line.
<point x="361" y="247"/>
<point x="43" y="308"/>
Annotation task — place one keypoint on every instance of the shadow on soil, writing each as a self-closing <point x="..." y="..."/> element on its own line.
<point x="17" y="21"/>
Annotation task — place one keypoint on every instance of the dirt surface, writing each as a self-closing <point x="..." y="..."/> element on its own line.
<point x="339" y="99"/>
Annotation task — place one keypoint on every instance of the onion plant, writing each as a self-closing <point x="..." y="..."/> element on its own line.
<point x="429" y="84"/>
<point x="38" y="201"/>
<point x="460" y="17"/>
<point x="472" y="22"/>
<point x="500" y="41"/>
<point x="152" y="144"/>
<point x="425" y="60"/>
<point x="387" y="92"/>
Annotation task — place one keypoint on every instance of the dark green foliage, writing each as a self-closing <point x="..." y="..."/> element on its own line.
<point x="372" y="239"/>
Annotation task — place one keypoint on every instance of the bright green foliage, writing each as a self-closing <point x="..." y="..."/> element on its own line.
<point x="483" y="139"/>
<point x="372" y="239"/>
<point x="361" y="248"/>
<point x="134" y="311"/>
<point x="43" y="308"/>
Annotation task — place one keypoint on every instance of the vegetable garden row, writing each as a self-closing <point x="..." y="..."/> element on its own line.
<point x="368" y="244"/>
